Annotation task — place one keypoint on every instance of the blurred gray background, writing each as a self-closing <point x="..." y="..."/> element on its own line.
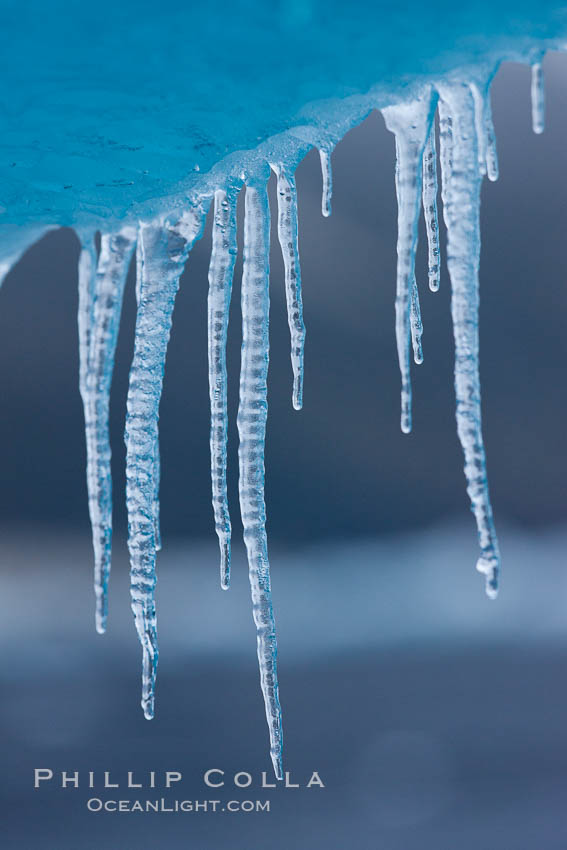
<point x="435" y="717"/>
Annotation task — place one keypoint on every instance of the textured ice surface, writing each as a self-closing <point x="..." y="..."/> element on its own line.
<point x="132" y="119"/>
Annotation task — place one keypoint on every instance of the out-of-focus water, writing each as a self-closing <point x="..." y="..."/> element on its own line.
<point x="434" y="717"/>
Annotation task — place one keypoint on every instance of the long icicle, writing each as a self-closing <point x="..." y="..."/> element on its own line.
<point x="411" y="125"/>
<point x="288" y="239"/>
<point x="157" y="481"/>
<point x="430" y="214"/>
<point x="252" y="415"/>
<point x="86" y="275"/>
<point x="164" y="249"/>
<point x="327" y="175"/>
<point x="538" y="98"/>
<point x="221" y="271"/>
<point x="107" y="291"/>
<point x="157" y="458"/>
<point x="461" y="209"/>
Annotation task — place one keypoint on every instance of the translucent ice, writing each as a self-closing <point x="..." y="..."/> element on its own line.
<point x="221" y="269"/>
<point x="327" y="176"/>
<point x="538" y="98"/>
<point x="288" y="236"/>
<point x="101" y="288"/>
<point x="430" y="209"/>
<point x="252" y="416"/>
<point x="411" y="123"/>
<point x="461" y="208"/>
<point x="164" y="248"/>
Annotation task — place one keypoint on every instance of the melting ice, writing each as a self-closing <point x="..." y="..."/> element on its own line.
<point x="135" y="181"/>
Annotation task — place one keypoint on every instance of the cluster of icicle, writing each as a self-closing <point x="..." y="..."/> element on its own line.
<point x="467" y="152"/>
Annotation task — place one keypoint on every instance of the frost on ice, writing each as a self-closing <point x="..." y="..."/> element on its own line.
<point x="448" y="113"/>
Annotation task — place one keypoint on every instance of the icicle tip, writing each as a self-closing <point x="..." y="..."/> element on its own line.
<point x="297" y="395"/>
<point x="490" y="569"/>
<point x="225" y="564"/>
<point x="406" y="411"/>
<point x="278" y="765"/>
<point x="327" y="175"/>
<point x="538" y="99"/>
<point x="101" y="610"/>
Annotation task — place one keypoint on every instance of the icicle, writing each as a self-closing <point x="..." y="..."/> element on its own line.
<point x="288" y="233"/>
<point x="86" y="275"/>
<point x="486" y="138"/>
<point x="100" y="306"/>
<point x="87" y="268"/>
<point x="252" y="414"/>
<point x="491" y="152"/>
<point x="139" y="264"/>
<point x="479" y="99"/>
<point x="416" y="323"/>
<point x="164" y="248"/>
<point x="461" y="207"/>
<point x="445" y="146"/>
<point x="157" y="480"/>
<point x="538" y="98"/>
<point x="157" y="461"/>
<point x="411" y="124"/>
<point x="327" y="174"/>
<point x="430" y="208"/>
<point x="220" y="289"/>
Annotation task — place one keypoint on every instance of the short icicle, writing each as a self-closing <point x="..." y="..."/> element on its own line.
<point x="327" y="175"/>
<point x="221" y="270"/>
<point x="538" y="98"/>
<point x="252" y="415"/>
<point x="480" y="125"/>
<point x="486" y="137"/>
<point x="492" y="170"/>
<point x="411" y="124"/>
<point x="288" y="239"/>
<point x="445" y="146"/>
<point x="100" y="307"/>
<point x="430" y="209"/>
<point x="461" y="209"/>
<point x="164" y="248"/>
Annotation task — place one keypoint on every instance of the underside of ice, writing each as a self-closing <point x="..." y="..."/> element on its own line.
<point x="131" y="122"/>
